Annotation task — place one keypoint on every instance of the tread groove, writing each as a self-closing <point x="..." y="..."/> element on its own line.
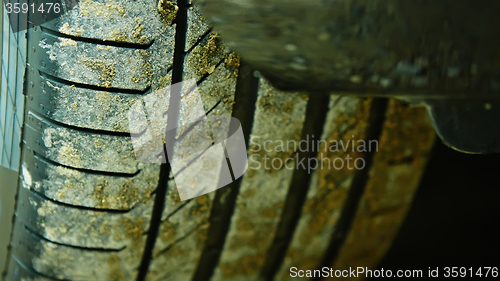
<point x="192" y="161"/>
<point x="54" y="79"/>
<point x="176" y="210"/>
<point x="207" y="75"/>
<point x="247" y="87"/>
<point x="54" y="33"/>
<point x="84" y="208"/>
<point x="161" y="190"/>
<point x="357" y="188"/>
<point x="178" y="240"/>
<point x="34" y="272"/>
<point x="315" y="118"/>
<point x="55" y="123"/>
<point x="87" y="171"/>
<point x="41" y="237"/>
<point x="199" y="40"/>
<point x="152" y="233"/>
<point x="200" y="119"/>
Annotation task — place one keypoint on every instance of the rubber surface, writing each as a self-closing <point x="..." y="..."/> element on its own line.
<point x="88" y="210"/>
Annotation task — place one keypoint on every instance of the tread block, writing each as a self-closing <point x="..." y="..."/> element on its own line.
<point x="92" y="64"/>
<point x="63" y="262"/>
<point x="205" y="57"/>
<point x="82" y="107"/>
<point x="185" y="224"/>
<point x="347" y="118"/>
<point x="197" y="27"/>
<point x="220" y="87"/>
<point x="90" y="189"/>
<point x="80" y="149"/>
<point x="79" y="226"/>
<point x="18" y="271"/>
<point x="278" y="116"/>
<point x="138" y="22"/>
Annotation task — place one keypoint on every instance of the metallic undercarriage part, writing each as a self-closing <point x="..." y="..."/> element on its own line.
<point x="469" y="127"/>
<point x="431" y="52"/>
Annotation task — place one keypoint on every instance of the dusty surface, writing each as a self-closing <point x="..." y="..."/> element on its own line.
<point x="197" y="27"/>
<point x="347" y="119"/>
<point x="121" y="232"/>
<point x="405" y="146"/>
<point x="185" y="223"/>
<point x="74" y="149"/>
<point x="205" y="57"/>
<point x="85" y="202"/>
<point x="263" y="191"/>
<point x="106" y="66"/>
<point x="75" y="187"/>
<point x="86" y="108"/>
<point x="137" y="22"/>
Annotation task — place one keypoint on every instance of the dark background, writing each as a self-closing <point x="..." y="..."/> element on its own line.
<point x="455" y="216"/>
